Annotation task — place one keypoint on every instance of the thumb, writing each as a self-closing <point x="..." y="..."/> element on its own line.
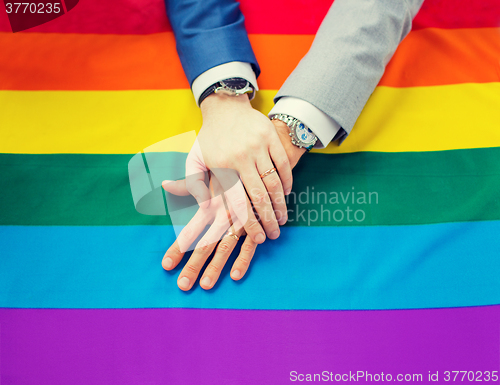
<point x="176" y="187"/>
<point x="197" y="177"/>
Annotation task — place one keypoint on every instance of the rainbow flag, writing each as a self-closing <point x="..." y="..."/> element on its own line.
<point x="405" y="282"/>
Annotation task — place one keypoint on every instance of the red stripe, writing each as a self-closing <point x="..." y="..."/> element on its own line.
<point x="134" y="17"/>
<point x="458" y="14"/>
<point x="262" y="16"/>
<point x="64" y="7"/>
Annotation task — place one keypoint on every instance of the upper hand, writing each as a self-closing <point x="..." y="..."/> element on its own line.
<point x="175" y="253"/>
<point x="234" y="136"/>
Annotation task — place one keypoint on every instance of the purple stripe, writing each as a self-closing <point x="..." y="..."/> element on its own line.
<point x="194" y="346"/>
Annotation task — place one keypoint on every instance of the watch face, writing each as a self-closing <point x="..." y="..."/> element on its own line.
<point x="234" y="83"/>
<point x="304" y="134"/>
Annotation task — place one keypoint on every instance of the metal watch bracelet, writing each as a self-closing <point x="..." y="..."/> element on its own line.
<point x="292" y="123"/>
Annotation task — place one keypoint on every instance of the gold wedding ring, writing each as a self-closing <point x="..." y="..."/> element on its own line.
<point x="233" y="235"/>
<point x="268" y="172"/>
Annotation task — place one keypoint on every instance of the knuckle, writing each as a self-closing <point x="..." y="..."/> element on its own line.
<point x="192" y="268"/>
<point x="214" y="268"/>
<point x="280" y="214"/>
<point x="269" y="222"/>
<point x="186" y="233"/>
<point x="223" y="163"/>
<point x="203" y="246"/>
<point x="175" y="251"/>
<point x="224" y="247"/>
<point x="244" y="261"/>
<point x="253" y="226"/>
<point x="220" y="161"/>
<point x="247" y="248"/>
<point x="257" y="145"/>
<point x="279" y="200"/>
<point x="263" y="134"/>
<point x="287" y="181"/>
<point x="274" y="183"/>
<point x="241" y="156"/>
<point x="267" y="216"/>
<point x="239" y="203"/>
<point x="284" y="163"/>
<point x="258" y="197"/>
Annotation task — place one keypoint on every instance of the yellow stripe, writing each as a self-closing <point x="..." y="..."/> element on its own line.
<point x="93" y="122"/>
<point x="427" y="119"/>
<point x="112" y="122"/>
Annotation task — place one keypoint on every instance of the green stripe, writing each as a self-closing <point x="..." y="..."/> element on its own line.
<point x="411" y="188"/>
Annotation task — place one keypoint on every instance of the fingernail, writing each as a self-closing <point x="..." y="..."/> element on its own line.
<point x="282" y="221"/>
<point x="275" y="234"/>
<point x="259" y="238"/>
<point x="206" y="282"/>
<point x="236" y="274"/>
<point x="184" y="282"/>
<point x="287" y="192"/>
<point x="168" y="263"/>
<point x="165" y="182"/>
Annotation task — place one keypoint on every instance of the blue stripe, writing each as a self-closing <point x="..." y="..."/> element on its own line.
<point x="387" y="267"/>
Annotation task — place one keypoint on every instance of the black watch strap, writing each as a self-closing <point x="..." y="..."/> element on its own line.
<point x="236" y="83"/>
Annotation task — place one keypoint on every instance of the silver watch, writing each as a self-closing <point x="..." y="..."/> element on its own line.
<point x="301" y="135"/>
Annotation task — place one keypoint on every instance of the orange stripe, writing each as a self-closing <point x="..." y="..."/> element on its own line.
<point x="432" y="56"/>
<point x="278" y="55"/>
<point x="39" y="61"/>
<point x="126" y="62"/>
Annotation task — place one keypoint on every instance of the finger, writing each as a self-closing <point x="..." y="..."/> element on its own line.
<point x="274" y="188"/>
<point x="240" y="266"/>
<point x="242" y="214"/>
<point x="203" y="249"/>
<point x="196" y="184"/>
<point x="222" y="253"/>
<point x="187" y="236"/>
<point x="177" y="187"/>
<point x="227" y="183"/>
<point x="216" y="183"/>
<point x="282" y="164"/>
<point x="197" y="177"/>
<point x="261" y="202"/>
<point x="172" y="257"/>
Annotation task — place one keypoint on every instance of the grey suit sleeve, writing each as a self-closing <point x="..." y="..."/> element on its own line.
<point x="353" y="45"/>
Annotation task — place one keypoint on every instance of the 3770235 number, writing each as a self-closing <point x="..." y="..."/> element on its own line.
<point x="461" y="375"/>
<point x="33" y="7"/>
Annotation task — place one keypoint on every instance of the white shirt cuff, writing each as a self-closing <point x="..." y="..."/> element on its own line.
<point x="323" y="126"/>
<point x="234" y="69"/>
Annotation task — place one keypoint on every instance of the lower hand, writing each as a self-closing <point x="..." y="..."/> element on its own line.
<point x="217" y="216"/>
<point x="193" y="267"/>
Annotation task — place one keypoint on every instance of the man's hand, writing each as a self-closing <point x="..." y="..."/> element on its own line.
<point x="193" y="267"/>
<point x="234" y="136"/>
<point x="215" y="215"/>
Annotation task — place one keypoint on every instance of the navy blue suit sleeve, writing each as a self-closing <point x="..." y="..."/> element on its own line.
<point x="209" y="33"/>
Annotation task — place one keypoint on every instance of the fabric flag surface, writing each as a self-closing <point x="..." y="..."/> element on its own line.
<point x="390" y="261"/>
